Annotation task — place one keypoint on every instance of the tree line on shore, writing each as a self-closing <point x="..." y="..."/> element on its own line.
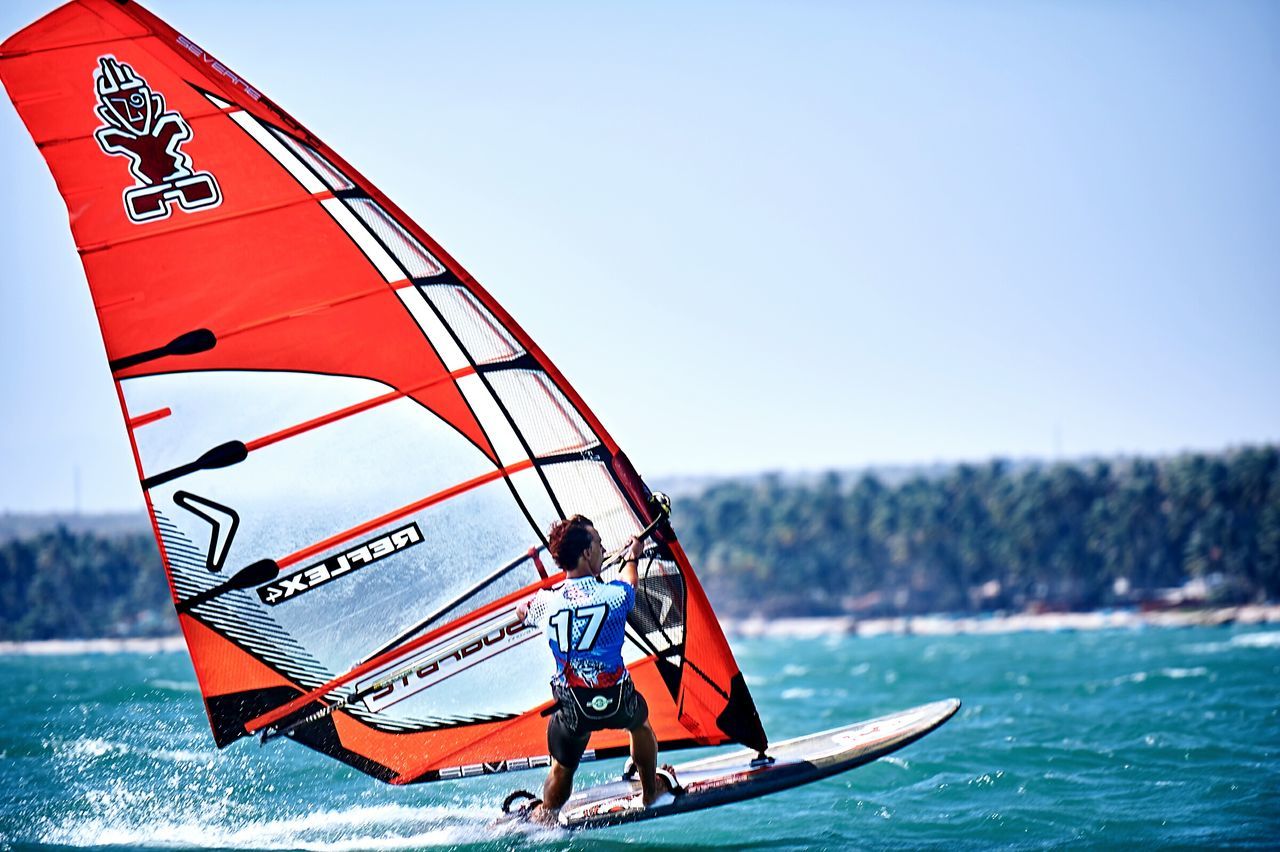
<point x="975" y="538"/>
<point x="983" y="538"/>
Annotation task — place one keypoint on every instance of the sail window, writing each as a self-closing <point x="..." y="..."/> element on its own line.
<point x="547" y="419"/>
<point x="413" y="256"/>
<point x="328" y="172"/>
<point x="485" y="340"/>
<point x="587" y="487"/>
<point x="533" y="495"/>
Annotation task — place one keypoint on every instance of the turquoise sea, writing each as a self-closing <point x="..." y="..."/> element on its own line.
<point x="1153" y="737"/>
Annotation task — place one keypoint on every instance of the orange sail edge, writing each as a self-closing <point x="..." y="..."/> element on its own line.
<point x="234" y="685"/>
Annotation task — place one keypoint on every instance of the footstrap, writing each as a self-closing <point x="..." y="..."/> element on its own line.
<point x="669" y="775"/>
<point x="522" y="810"/>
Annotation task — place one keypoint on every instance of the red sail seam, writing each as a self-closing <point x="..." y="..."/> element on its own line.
<point x="302" y="312"/>
<point x="272" y="716"/>
<point x="325" y="419"/>
<point x="150" y="417"/>
<point x="123" y="300"/>
<point x="17" y="54"/>
<point x="204" y="221"/>
<point x="417" y="506"/>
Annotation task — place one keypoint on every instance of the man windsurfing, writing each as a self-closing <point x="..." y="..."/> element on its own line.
<point x="584" y="620"/>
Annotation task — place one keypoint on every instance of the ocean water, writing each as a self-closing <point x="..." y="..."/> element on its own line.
<point x="1154" y="737"/>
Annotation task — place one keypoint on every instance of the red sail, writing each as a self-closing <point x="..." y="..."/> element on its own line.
<point x="349" y="450"/>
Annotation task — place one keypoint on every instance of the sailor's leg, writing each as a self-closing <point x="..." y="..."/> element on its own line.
<point x="558" y="786"/>
<point x="566" y="747"/>
<point x="644" y="751"/>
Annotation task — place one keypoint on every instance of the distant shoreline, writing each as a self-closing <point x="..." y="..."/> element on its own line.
<point x="943" y="625"/>
<point x="59" y="647"/>
<point x="804" y="627"/>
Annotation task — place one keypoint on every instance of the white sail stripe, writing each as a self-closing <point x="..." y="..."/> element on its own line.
<point x="436" y="333"/>
<point x="369" y="244"/>
<point x="495" y="424"/>
<point x="328" y="172"/>
<point x="218" y="102"/>
<point x="282" y="154"/>
<point x="533" y="493"/>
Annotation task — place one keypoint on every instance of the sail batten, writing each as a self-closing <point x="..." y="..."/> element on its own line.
<point x="357" y="440"/>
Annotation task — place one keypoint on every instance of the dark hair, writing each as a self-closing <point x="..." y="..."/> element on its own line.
<point x="568" y="540"/>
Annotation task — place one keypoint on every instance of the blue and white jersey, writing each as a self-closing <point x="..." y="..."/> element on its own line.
<point x="585" y="623"/>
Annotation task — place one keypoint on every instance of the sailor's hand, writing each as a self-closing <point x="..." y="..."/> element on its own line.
<point x="634" y="548"/>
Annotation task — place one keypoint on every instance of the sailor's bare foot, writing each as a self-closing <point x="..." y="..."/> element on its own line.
<point x="542" y="815"/>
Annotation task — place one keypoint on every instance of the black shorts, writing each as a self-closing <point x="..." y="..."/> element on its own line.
<point x="580" y="711"/>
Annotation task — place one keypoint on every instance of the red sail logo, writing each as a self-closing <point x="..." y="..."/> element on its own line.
<point x="137" y="126"/>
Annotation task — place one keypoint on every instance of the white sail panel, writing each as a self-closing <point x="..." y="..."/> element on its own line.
<point x="413" y="255"/>
<point x="586" y="487"/>
<point x="543" y="414"/>
<point x="207" y="408"/>
<point x="533" y="494"/>
<point x="485" y="340"/>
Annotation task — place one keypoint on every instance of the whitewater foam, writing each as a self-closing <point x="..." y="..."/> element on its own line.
<point x="378" y="827"/>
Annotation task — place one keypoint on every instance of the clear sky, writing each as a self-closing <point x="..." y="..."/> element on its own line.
<point x="767" y="236"/>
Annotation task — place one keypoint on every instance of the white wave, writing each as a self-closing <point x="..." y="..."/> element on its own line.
<point x="796" y="693"/>
<point x="174" y="685"/>
<point x="792" y="670"/>
<point x="1136" y="677"/>
<point x="180" y="755"/>
<point x="1269" y="639"/>
<point x="379" y="827"/>
<point x="1172" y="673"/>
<point x="1265" y="639"/>
<point x="90" y="747"/>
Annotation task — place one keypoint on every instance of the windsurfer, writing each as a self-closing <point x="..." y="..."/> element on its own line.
<point x="584" y="620"/>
